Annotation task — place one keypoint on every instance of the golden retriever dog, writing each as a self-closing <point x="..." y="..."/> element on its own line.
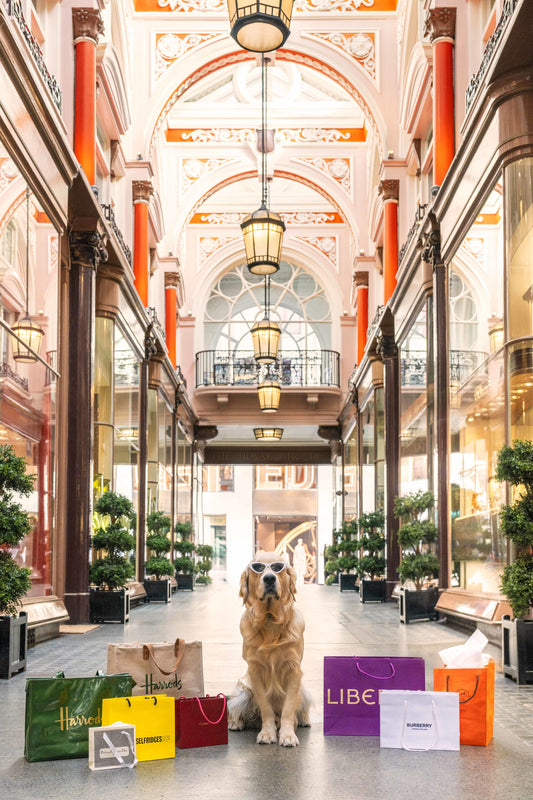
<point x="271" y="694"/>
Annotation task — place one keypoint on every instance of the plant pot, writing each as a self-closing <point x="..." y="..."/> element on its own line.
<point x="418" y="604"/>
<point x="158" y="591"/>
<point x="517" y="649"/>
<point x="185" y="582"/>
<point x="373" y="591"/>
<point x="13" y="644"/>
<point x="108" y="605"/>
<point x="347" y="581"/>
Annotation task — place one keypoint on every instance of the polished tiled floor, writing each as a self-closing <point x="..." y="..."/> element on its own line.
<point x="322" y="767"/>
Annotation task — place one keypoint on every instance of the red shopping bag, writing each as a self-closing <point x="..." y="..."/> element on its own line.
<point x="201" y="721"/>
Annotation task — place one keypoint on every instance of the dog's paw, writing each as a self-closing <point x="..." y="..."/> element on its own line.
<point x="267" y="735"/>
<point x="287" y="738"/>
<point x="235" y="725"/>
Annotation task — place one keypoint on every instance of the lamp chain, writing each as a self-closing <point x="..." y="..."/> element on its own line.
<point x="264" y="196"/>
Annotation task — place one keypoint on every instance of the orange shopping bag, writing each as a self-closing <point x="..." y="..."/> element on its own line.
<point x="476" y="700"/>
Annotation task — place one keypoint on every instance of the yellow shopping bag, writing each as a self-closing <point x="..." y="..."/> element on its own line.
<point x="153" y="717"/>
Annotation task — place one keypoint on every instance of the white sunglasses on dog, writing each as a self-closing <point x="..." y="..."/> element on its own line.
<point x="260" y="566"/>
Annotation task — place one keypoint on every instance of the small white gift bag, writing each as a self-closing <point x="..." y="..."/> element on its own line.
<point x="419" y="720"/>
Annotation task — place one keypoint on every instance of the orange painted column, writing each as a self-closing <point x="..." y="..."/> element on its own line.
<point x="171" y="310"/>
<point x="142" y="192"/>
<point x="361" y="282"/>
<point x="87" y="25"/>
<point x="390" y="190"/>
<point x="440" y="25"/>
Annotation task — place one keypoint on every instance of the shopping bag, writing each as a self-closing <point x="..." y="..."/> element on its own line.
<point x="112" y="747"/>
<point x="171" y="668"/>
<point x="201" y="721"/>
<point x="476" y="700"/>
<point x="352" y="686"/>
<point x="59" y="712"/>
<point x="419" y="720"/>
<point x="153" y="718"/>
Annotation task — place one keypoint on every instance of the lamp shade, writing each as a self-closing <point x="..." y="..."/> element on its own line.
<point x="265" y="337"/>
<point x="263" y="236"/>
<point x="28" y="344"/>
<point x="260" y="25"/>
<point x="269" y="393"/>
<point x="268" y="433"/>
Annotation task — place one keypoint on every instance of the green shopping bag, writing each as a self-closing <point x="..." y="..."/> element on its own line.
<point x="60" y="711"/>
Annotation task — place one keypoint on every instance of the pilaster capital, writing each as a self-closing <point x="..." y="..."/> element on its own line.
<point x="142" y="191"/>
<point x="440" y="23"/>
<point x="172" y="280"/>
<point x="87" y="248"/>
<point x="390" y="189"/>
<point x="87" y="24"/>
<point x="360" y="279"/>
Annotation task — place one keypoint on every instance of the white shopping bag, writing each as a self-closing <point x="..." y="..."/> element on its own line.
<point x="419" y="720"/>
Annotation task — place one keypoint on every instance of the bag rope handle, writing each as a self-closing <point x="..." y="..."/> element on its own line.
<point x="459" y="691"/>
<point x="436" y="739"/>
<point x="210" y="721"/>
<point x="179" y="650"/>
<point x="377" y="677"/>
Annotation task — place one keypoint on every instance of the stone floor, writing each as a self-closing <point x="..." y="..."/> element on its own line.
<point x="324" y="767"/>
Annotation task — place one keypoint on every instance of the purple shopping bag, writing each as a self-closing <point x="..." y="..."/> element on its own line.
<point x="352" y="685"/>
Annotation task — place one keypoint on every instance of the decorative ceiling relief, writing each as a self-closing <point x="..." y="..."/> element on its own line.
<point x="189" y="6"/>
<point x="361" y="47"/>
<point x="8" y="172"/>
<point x="170" y="47"/>
<point x="339" y="169"/>
<point x="327" y="245"/>
<point x="289" y="217"/>
<point x="282" y="136"/>
<point x="332" y="5"/>
<point x="300" y="6"/>
<point x="192" y="169"/>
<point x="475" y="245"/>
<point x="209" y="244"/>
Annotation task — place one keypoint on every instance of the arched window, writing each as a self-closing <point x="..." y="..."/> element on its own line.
<point x="8" y="243"/>
<point x="464" y="323"/>
<point x="297" y="303"/>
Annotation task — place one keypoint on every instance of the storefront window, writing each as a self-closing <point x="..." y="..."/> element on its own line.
<point x="183" y="477"/>
<point x="103" y="405"/>
<point x="368" y="472"/>
<point x="414" y="407"/>
<point x="28" y="390"/>
<point x="126" y="418"/>
<point x="351" y="466"/>
<point x="519" y="237"/>
<point x="476" y="396"/>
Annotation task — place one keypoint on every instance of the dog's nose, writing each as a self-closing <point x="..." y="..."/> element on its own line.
<point x="269" y="579"/>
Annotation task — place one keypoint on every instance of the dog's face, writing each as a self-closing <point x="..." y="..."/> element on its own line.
<point x="267" y="580"/>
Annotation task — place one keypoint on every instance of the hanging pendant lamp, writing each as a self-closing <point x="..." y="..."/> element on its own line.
<point x="263" y="229"/>
<point x="28" y="337"/>
<point x="268" y="393"/>
<point x="269" y="434"/>
<point x="260" y="25"/>
<point x="266" y="333"/>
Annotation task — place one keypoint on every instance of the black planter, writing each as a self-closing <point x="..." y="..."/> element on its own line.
<point x="347" y="582"/>
<point x="418" y="604"/>
<point x="372" y="591"/>
<point x="158" y="591"/>
<point x="107" y="605"/>
<point x="13" y="644"/>
<point x="517" y="649"/>
<point x="185" y="582"/>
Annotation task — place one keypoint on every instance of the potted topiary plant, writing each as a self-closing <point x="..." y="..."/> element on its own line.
<point x="205" y="564"/>
<point x="184" y="563"/>
<point x="109" y="573"/>
<point x="331" y="569"/>
<point x="418" y="561"/>
<point x="158" y="567"/>
<point x="515" y="465"/>
<point x="371" y="564"/>
<point x="14" y="580"/>
<point x="346" y="552"/>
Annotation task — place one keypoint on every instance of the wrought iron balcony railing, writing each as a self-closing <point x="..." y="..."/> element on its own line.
<point x="292" y="368"/>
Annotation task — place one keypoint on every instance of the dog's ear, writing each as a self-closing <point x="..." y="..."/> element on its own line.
<point x="243" y="588"/>
<point x="291" y="574"/>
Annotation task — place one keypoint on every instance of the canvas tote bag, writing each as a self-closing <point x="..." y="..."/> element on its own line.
<point x="171" y="668"/>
